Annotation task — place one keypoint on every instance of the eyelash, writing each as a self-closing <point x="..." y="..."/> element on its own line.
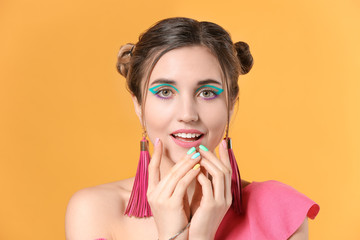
<point x="160" y="91"/>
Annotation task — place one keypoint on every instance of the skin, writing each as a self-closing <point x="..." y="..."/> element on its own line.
<point x="185" y="109"/>
<point x="176" y="191"/>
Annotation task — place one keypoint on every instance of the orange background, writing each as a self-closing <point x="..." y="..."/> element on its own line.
<point x="67" y="121"/>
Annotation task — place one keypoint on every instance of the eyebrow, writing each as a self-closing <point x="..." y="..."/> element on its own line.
<point x="162" y="80"/>
<point x="172" y="82"/>
<point x="208" y="81"/>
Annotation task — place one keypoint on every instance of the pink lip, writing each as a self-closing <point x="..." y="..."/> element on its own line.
<point x="187" y="144"/>
<point x="187" y="131"/>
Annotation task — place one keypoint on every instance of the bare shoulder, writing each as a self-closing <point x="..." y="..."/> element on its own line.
<point x="302" y="233"/>
<point x="93" y="212"/>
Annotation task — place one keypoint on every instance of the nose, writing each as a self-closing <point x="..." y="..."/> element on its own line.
<point x="187" y="111"/>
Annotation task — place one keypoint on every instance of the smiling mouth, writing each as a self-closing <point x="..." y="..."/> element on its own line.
<point x="187" y="137"/>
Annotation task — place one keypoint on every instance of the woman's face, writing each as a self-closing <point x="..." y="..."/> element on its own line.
<point x="186" y="102"/>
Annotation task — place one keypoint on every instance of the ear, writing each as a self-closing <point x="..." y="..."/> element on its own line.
<point x="137" y="107"/>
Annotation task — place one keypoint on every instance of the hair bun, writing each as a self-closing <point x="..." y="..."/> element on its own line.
<point x="244" y="56"/>
<point x="124" y="57"/>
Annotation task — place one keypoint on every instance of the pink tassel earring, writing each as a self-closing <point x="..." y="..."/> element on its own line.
<point x="138" y="205"/>
<point x="236" y="189"/>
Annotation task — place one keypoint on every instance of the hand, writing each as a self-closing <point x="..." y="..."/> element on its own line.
<point x="168" y="198"/>
<point x="213" y="198"/>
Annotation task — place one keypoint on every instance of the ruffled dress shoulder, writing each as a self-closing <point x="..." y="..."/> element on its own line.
<point x="273" y="211"/>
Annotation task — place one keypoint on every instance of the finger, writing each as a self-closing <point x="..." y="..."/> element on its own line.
<point x="218" y="178"/>
<point x="154" y="165"/>
<point x="224" y="154"/>
<point x="205" y="186"/>
<point x="224" y="157"/>
<point x="184" y="183"/>
<point x="178" y="165"/>
<point x="198" y="193"/>
<point x="172" y="179"/>
<point x="186" y="207"/>
<point x="212" y="157"/>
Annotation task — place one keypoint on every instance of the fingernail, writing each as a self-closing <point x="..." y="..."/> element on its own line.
<point x="191" y="150"/>
<point x="157" y="141"/>
<point x="202" y="147"/>
<point x="196" y="166"/>
<point x="223" y="142"/>
<point x="195" y="155"/>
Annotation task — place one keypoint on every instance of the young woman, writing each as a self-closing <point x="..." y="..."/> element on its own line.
<point x="182" y="75"/>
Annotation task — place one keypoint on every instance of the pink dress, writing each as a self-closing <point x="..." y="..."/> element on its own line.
<point x="273" y="210"/>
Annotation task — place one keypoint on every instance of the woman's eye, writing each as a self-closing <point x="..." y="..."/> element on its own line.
<point x="207" y="94"/>
<point x="164" y="93"/>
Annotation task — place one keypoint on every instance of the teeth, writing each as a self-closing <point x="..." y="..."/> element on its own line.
<point x="187" y="135"/>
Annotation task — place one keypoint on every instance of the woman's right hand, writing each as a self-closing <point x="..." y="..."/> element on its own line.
<point x="167" y="196"/>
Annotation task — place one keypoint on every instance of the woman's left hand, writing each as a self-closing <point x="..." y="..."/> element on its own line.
<point x="212" y="199"/>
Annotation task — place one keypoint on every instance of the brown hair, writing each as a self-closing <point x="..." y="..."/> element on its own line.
<point x="134" y="61"/>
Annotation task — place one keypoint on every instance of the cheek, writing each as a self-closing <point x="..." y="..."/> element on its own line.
<point x="215" y="118"/>
<point x="157" y="117"/>
<point x="214" y="114"/>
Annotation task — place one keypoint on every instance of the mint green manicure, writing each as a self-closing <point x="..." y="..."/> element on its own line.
<point x="202" y="147"/>
<point x="195" y="155"/>
<point x="191" y="150"/>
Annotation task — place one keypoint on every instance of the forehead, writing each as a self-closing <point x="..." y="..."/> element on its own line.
<point x="187" y="65"/>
